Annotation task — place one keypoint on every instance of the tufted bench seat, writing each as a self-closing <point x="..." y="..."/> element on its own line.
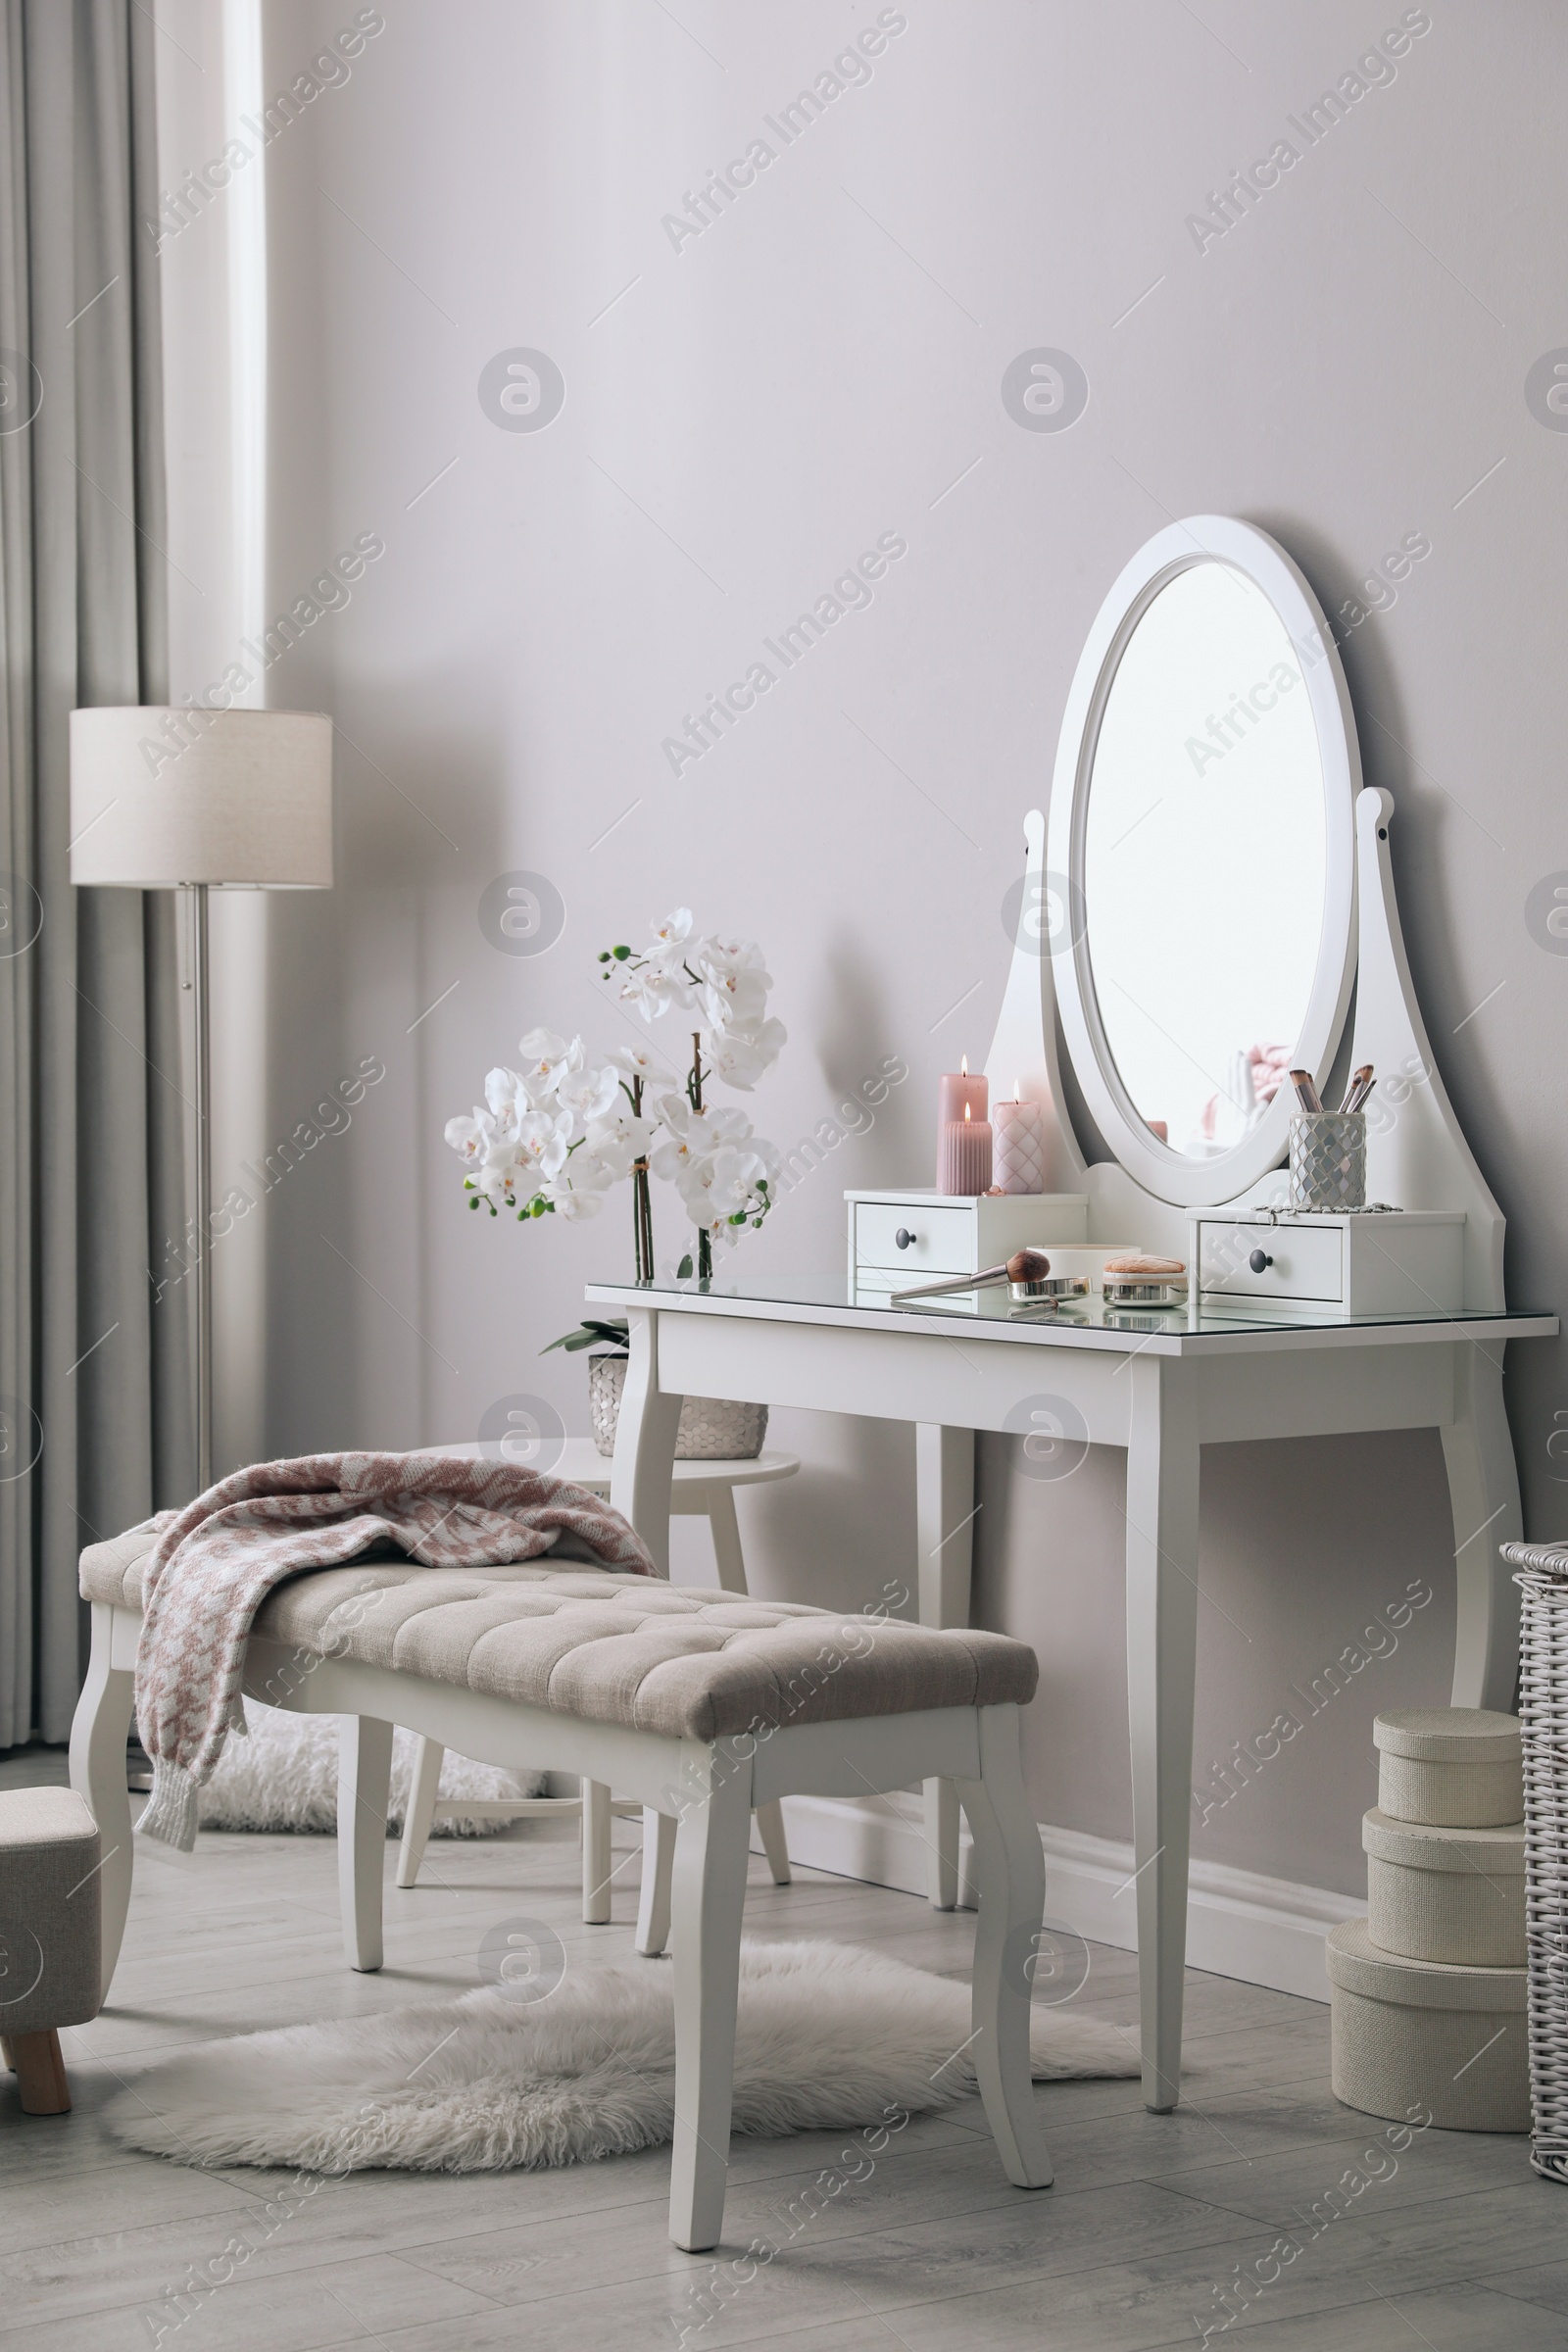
<point x="698" y="1704"/>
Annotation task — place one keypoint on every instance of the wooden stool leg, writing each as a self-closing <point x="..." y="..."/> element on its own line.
<point x="40" y="2072"/>
<point x="775" y="1845"/>
<point x="364" y="1776"/>
<point x="422" y="1811"/>
<point x="1012" y="1900"/>
<point x="596" y="1863"/>
<point x="710" y="1891"/>
<point x="658" y="1863"/>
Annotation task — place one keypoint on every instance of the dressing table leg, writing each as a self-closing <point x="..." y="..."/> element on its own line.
<point x="644" y="1441"/>
<point x="1163" y="1476"/>
<point x="944" y="1470"/>
<point x="1484" y="1489"/>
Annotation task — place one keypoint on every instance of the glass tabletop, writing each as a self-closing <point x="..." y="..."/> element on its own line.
<point x="993" y="1305"/>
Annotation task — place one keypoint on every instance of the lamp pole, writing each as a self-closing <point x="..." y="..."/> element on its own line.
<point x="204" y="1190"/>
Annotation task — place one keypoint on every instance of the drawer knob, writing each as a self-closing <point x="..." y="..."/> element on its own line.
<point x="1259" y="1261"/>
<point x="905" y="1239"/>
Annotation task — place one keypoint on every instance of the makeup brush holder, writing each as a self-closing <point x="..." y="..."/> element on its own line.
<point x="1328" y="1160"/>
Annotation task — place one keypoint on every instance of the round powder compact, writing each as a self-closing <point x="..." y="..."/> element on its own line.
<point x="1136" y="1279"/>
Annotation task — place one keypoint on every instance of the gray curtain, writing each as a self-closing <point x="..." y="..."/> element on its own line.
<point x="94" y="1386"/>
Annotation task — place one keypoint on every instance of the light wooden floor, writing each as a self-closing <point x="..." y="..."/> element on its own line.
<point x="1463" y="2247"/>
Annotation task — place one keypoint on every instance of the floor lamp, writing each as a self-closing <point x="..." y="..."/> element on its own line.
<point x="165" y="799"/>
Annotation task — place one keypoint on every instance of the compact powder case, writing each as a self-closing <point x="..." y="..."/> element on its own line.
<point x="1050" y="1290"/>
<point x="1144" y="1290"/>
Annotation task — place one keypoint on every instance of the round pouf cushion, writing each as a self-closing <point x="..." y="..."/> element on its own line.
<point x="1459" y="1768"/>
<point x="1416" y="2041"/>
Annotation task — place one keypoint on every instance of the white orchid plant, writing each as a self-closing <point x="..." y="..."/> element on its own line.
<point x="555" y="1134"/>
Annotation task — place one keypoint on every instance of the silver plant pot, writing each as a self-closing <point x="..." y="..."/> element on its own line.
<point x="710" y="1431"/>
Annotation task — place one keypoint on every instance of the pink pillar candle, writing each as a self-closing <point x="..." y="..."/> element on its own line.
<point x="963" y="1158"/>
<point x="959" y="1092"/>
<point x="1020" y="1147"/>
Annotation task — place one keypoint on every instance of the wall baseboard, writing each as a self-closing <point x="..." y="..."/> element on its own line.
<point x="1240" y="1924"/>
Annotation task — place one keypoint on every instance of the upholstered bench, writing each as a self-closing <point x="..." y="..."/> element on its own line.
<point x="697" y="1703"/>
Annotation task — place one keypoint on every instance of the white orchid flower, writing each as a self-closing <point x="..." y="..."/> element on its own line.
<point x="670" y="936"/>
<point x="633" y="1062"/>
<point x="588" y="1094"/>
<point x="469" y="1137"/>
<point x="542" y="1141"/>
<point x="546" y="1060"/>
<point x="657" y="989"/>
<point x="508" y="1098"/>
<point x="579" y="1190"/>
<point x="618" y="1140"/>
<point x="739" y="1056"/>
<point x="691" y="1136"/>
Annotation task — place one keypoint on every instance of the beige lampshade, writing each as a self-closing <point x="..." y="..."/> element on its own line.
<point x="160" y="797"/>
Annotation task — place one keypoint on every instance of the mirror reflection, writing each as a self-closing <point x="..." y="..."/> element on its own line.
<point x="1204" y="860"/>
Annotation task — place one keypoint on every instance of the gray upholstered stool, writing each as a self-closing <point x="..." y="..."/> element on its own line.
<point x="50" y="1959"/>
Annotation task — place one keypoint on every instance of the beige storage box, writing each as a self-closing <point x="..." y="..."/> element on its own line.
<point x="1411" y="2040"/>
<point x="1457" y="1768"/>
<point x="1446" y="1895"/>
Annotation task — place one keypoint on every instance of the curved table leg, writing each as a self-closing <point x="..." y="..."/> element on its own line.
<point x="944" y="1471"/>
<point x="644" y="1441"/>
<point x="98" y="1731"/>
<point x="1163" y="1463"/>
<point x="711" y="1844"/>
<point x="1484" y="1489"/>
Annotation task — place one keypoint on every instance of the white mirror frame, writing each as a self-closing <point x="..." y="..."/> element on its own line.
<point x="1167" y="1174"/>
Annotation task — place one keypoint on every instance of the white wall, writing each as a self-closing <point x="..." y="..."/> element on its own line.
<point x="823" y="365"/>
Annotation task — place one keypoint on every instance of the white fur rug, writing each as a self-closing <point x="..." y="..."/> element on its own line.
<point x="829" y="2036"/>
<point x="283" y="1776"/>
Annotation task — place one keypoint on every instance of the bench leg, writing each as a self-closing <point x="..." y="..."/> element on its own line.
<point x="364" y="1777"/>
<point x="420" y="1814"/>
<point x="658" y="1864"/>
<point x="98" y="1733"/>
<point x="710" y="1892"/>
<point x="40" y="2072"/>
<point x="1013" y="1901"/>
<point x="775" y="1845"/>
<point x="596" y="1862"/>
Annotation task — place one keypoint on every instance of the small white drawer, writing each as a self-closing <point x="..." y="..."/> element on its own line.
<point x="1299" y="1262"/>
<point x="941" y="1241"/>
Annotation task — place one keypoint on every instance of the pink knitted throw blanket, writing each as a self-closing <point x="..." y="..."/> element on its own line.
<point x="216" y="1561"/>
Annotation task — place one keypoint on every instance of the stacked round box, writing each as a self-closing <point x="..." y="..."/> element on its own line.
<point x="1430" y="1990"/>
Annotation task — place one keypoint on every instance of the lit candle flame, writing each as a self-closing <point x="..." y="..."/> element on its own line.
<point x="1017" y="1090"/>
<point x="967" y="1110"/>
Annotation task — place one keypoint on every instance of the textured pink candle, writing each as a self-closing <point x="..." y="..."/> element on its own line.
<point x="1020" y="1131"/>
<point x="963" y="1158"/>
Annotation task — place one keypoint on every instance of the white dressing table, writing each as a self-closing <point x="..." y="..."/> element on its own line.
<point x="1157" y="1008"/>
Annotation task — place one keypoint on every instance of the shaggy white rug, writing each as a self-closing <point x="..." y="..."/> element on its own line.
<point x="283" y="1776"/>
<point x="829" y="2036"/>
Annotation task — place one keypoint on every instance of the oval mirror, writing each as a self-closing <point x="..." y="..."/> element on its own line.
<point x="1202" y="816"/>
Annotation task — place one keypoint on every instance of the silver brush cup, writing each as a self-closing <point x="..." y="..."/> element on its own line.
<point x="1328" y="1160"/>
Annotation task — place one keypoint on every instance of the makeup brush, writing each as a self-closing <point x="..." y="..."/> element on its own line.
<point x="1024" y="1265"/>
<point x="1356" y="1093"/>
<point x="1306" y="1092"/>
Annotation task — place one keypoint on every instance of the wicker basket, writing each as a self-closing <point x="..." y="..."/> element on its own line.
<point x="710" y="1431"/>
<point x="1543" y="1711"/>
